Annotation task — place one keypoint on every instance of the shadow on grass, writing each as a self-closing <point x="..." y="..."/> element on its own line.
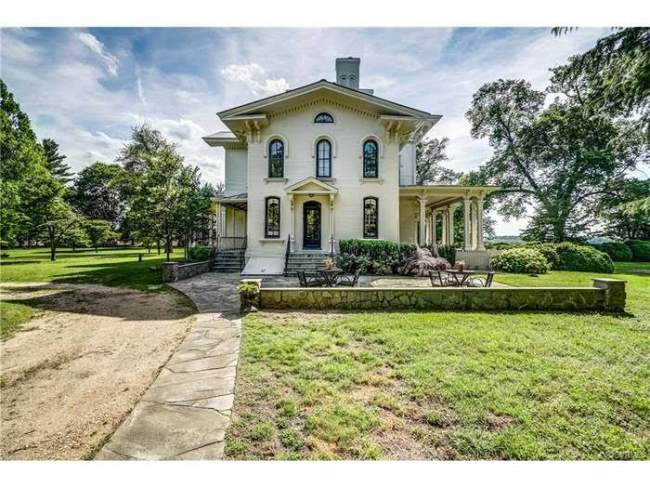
<point x="120" y="302"/>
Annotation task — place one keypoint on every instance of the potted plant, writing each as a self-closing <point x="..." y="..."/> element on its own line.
<point x="249" y="292"/>
<point x="460" y="265"/>
<point x="329" y="264"/>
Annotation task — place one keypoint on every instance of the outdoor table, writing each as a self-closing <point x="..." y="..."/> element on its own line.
<point x="329" y="275"/>
<point x="461" y="277"/>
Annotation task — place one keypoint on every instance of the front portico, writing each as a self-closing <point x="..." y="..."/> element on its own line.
<point x="311" y="215"/>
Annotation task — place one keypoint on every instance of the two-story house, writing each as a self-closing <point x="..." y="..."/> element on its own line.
<point x="330" y="161"/>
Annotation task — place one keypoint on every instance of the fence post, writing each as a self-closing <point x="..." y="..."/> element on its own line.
<point x="614" y="293"/>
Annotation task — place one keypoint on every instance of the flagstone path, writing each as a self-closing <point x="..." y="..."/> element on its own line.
<point x="185" y="412"/>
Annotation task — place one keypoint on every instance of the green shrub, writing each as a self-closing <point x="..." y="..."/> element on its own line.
<point x="448" y="253"/>
<point x="501" y="246"/>
<point x="546" y="250"/>
<point x="520" y="260"/>
<point x="640" y="250"/>
<point x="575" y="257"/>
<point x="200" y="253"/>
<point x="373" y="256"/>
<point x="618" y="251"/>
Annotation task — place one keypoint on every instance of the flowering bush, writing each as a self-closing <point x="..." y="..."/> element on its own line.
<point x="421" y="262"/>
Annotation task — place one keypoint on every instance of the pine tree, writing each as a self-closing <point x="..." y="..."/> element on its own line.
<point x="55" y="161"/>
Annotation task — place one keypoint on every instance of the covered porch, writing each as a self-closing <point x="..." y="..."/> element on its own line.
<point x="229" y="224"/>
<point x="428" y="214"/>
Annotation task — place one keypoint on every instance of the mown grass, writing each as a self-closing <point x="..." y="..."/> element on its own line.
<point x="449" y="385"/>
<point x="110" y="267"/>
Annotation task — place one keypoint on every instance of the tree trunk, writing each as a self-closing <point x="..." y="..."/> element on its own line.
<point x="158" y="245"/>
<point x="167" y="248"/>
<point x="50" y="231"/>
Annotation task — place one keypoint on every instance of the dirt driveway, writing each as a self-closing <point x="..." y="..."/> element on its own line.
<point x="76" y="370"/>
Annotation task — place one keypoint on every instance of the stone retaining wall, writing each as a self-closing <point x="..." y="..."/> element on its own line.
<point x="173" y="271"/>
<point x="606" y="295"/>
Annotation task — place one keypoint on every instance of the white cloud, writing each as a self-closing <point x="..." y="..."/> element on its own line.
<point x="96" y="46"/>
<point x="140" y="91"/>
<point x="255" y="78"/>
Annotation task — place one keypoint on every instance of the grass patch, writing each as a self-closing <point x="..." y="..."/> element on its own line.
<point x="110" y="267"/>
<point x="449" y="385"/>
<point x="12" y="317"/>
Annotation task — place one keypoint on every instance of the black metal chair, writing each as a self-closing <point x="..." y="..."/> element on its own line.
<point x="482" y="283"/>
<point x="349" y="279"/>
<point x="308" y="281"/>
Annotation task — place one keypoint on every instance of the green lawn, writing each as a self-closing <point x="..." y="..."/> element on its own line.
<point x="449" y="385"/>
<point x="110" y="267"/>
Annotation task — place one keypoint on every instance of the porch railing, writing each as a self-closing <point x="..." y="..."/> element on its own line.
<point x="225" y="242"/>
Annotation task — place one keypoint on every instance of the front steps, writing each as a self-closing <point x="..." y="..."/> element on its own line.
<point x="229" y="261"/>
<point x="306" y="261"/>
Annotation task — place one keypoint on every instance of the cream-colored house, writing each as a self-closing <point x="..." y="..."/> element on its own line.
<point x="330" y="161"/>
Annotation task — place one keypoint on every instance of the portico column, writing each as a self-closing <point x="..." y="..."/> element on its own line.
<point x="434" y="229"/>
<point x="450" y="233"/>
<point x="479" y="224"/>
<point x="474" y="225"/>
<point x="422" y="218"/>
<point x="444" y="226"/>
<point x="466" y="221"/>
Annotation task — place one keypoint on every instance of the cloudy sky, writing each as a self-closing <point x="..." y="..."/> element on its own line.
<point x="86" y="88"/>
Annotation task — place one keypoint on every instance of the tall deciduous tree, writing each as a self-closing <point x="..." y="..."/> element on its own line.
<point x="559" y="160"/>
<point x="428" y="155"/>
<point x="97" y="193"/>
<point x="55" y="161"/>
<point x="625" y="209"/>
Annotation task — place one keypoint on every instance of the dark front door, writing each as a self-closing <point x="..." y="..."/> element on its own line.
<point x="311" y="225"/>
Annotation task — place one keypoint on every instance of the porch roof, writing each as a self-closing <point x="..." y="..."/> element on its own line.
<point x="442" y="195"/>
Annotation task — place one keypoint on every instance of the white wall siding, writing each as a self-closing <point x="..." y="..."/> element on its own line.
<point x="236" y="171"/>
<point x="407" y="165"/>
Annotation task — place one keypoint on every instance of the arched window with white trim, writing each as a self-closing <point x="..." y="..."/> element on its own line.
<point x="370" y="159"/>
<point x="272" y="217"/>
<point x="370" y="218"/>
<point x="323" y="159"/>
<point x="276" y="159"/>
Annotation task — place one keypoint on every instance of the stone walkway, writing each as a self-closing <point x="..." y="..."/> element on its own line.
<point x="185" y="412"/>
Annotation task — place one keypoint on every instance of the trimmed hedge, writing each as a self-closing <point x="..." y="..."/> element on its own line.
<point x="546" y="250"/>
<point x="640" y="250"/>
<point x="618" y="251"/>
<point x="574" y="257"/>
<point x="200" y="253"/>
<point x="520" y="260"/>
<point x="373" y="256"/>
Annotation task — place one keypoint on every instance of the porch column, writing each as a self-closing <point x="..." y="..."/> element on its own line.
<point x="434" y="229"/>
<point x="444" y="214"/>
<point x="450" y="221"/>
<point x="479" y="224"/>
<point x="474" y="225"/>
<point x="466" y="221"/>
<point x="422" y="218"/>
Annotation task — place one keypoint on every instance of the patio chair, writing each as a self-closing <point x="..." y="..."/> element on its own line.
<point x="349" y="279"/>
<point x="438" y="279"/>
<point x="308" y="281"/>
<point x="482" y="282"/>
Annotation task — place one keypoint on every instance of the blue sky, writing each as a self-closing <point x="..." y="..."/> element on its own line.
<point x="86" y="88"/>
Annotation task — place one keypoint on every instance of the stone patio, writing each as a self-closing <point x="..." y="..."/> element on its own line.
<point x="185" y="413"/>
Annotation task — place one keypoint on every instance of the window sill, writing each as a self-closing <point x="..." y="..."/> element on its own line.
<point x="276" y="180"/>
<point x="371" y="180"/>
<point x="329" y="179"/>
<point x="264" y="240"/>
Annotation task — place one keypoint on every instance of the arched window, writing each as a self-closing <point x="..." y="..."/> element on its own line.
<point x="276" y="159"/>
<point x="323" y="118"/>
<point x="323" y="159"/>
<point x="272" y="217"/>
<point x="370" y="159"/>
<point x="370" y="218"/>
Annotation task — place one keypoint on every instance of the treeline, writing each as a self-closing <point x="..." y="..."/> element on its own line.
<point x="149" y="196"/>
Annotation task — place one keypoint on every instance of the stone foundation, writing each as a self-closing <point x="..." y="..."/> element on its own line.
<point x="607" y="295"/>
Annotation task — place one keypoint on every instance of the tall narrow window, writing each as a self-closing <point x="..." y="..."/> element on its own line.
<point x="370" y="218"/>
<point x="276" y="159"/>
<point x="323" y="159"/>
<point x="323" y="118"/>
<point x="272" y="218"/>
<point x="370" y="159"/>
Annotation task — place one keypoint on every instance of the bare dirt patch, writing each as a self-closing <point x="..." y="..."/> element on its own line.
<point x="78" y="368"/>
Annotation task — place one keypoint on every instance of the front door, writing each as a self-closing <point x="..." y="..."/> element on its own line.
<point x="311" y="225"/>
